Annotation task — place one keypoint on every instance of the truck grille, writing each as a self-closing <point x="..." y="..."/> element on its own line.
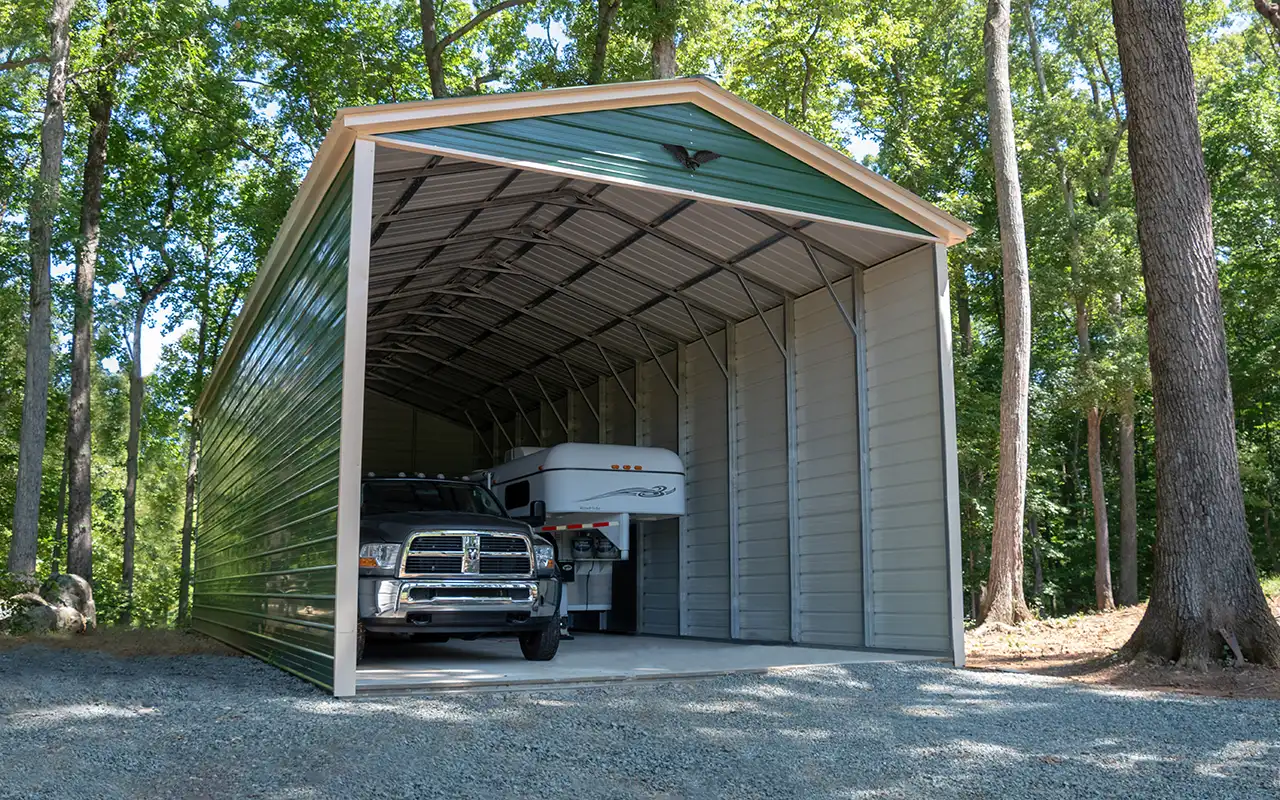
<point x="503" y="565"/>
<point x="433" y="565"/>
<point x="437" y="543"/>
<point x="468" y="554"/>
<point x="502" y="544"/>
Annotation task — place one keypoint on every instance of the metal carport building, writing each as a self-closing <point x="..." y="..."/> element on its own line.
<point x="460" y="276"/>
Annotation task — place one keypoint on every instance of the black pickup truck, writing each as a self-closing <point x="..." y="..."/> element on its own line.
<point x="441" y="558"/>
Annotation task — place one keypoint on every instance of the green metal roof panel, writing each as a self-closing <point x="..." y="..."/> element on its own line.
<point x="627" y="144"/>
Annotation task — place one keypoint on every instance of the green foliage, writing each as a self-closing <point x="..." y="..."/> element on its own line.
<point x="221" y="106"/>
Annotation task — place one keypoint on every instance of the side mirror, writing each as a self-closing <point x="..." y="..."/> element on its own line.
<point x="537" y="514"/>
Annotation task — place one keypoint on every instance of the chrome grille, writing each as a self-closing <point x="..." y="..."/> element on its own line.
<point x="468" y="554"/>
<point x="502" y="544"/>
<point x="503" y="565"/>
<point x="423" y="544"/>
<point x="433" y="565"/>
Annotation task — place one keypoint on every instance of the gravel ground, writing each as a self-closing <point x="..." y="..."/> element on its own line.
<point x="77" y="724"/>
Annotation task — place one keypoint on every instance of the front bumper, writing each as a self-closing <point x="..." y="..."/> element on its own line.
<point x="406" y="605"/>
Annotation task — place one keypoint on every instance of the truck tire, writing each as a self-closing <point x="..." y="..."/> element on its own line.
<point x="541" y="645"/>
<point x="360" y="637"/>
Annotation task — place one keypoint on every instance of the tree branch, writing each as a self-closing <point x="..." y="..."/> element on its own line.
<point x="19" y="63"/>
<point x="471" y="24"/>
<point x="1106" y="78"/>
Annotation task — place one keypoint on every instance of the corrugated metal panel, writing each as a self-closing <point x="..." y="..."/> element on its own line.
<point x="628" y="144"/>
<point x="909" y="576"/>
<point x="266" y="546"/>
<point x="400" y="438"/>
<point x="706" y="546"/>
<point x="830" y="545"/>
<point x="619" y="416"/>
<point x="764" y="575"/>
<point x="660" y="541"/>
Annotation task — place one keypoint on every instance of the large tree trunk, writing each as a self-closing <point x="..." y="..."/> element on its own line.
<point x="1128" y="506"/>
<point x="1004" y="601"/>
<point x="44" y="204"/>
<point x="606" y="11"/>
<point x="79" y="426"/>
<point x="431" y="50"/>
<point x="1205" y="586"/>
<point x="131" y="465"/>
<point x="662" y="50"/>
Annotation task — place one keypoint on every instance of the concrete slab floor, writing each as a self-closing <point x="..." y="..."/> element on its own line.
<point x="391" y="665"/>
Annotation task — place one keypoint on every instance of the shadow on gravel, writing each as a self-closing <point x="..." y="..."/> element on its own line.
<point x="88" y="725"/>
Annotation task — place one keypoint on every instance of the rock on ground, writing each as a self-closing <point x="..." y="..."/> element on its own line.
<point x="72" y="591"/>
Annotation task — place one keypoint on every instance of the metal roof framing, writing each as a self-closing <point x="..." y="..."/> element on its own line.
<point x="497" y="284"/>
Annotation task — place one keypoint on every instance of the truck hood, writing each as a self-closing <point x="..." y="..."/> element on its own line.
<point x="396" y="527"/>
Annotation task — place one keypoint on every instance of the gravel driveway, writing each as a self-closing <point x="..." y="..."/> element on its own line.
<point x="75" y="724"/>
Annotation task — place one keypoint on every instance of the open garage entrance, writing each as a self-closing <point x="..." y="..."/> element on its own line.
<point x="655" y="264"/>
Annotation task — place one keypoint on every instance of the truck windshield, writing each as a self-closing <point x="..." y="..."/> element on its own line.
<point x="399" y="496"/>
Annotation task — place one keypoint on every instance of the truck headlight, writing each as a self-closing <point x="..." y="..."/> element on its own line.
<point x="379" y="556"/>
<point x="544" y="557"/>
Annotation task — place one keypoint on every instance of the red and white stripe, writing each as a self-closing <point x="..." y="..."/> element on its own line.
<point x="576" y="527"/>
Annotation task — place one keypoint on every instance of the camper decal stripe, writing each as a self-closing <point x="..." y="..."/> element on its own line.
<point x="634" y="491"/>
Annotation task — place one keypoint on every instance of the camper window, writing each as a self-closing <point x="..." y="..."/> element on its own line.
<point x="516" y="495"/>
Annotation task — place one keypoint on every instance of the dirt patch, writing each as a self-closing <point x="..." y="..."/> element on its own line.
<point x="1084" y="648"/>
<point x="125" y="642"/>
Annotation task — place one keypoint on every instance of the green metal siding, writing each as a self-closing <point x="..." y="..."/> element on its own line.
<point x="628" y="144"/>
<point x="266" y="548"/>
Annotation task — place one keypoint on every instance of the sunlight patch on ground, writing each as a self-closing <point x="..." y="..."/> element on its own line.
<point x="957" y="691"/>
<point x="78" y="712"/>
<point x="1235" y="755"/>
<point x="968" y="750"/>
<point x="805" y="734"/>
<point x="1121" y="762"/>
<point x="928" y="711"/>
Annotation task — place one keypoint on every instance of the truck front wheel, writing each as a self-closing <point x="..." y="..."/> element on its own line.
<point x="360" y="637"/>
<point x="541" y="645"/>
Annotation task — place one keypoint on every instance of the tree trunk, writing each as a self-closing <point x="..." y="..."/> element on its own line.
<point x="1004" y="601"/>
<point x="1128" y="506"/>
<point x="56" y="567"/>
<point x="79" y="426"/>
<point x="44" y="204"/>
<point x="662" y="51"/>
<point x="193" y="433"/>
<point x="1037" y="584"/>
<point x="131" y="465"/>
<point x="1102" y="593"/>
<point x="431" y="49"/>
<point x="606" y="11"/>
<point x="1204" y="581"/>
<point x="964" y="316"/>
<point x="188" y="522"/>
<point x="1102" y="548"/>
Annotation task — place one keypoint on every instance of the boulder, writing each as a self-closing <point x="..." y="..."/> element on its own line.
<point x="30" y="613"/>
<point x="74" y="592"/>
